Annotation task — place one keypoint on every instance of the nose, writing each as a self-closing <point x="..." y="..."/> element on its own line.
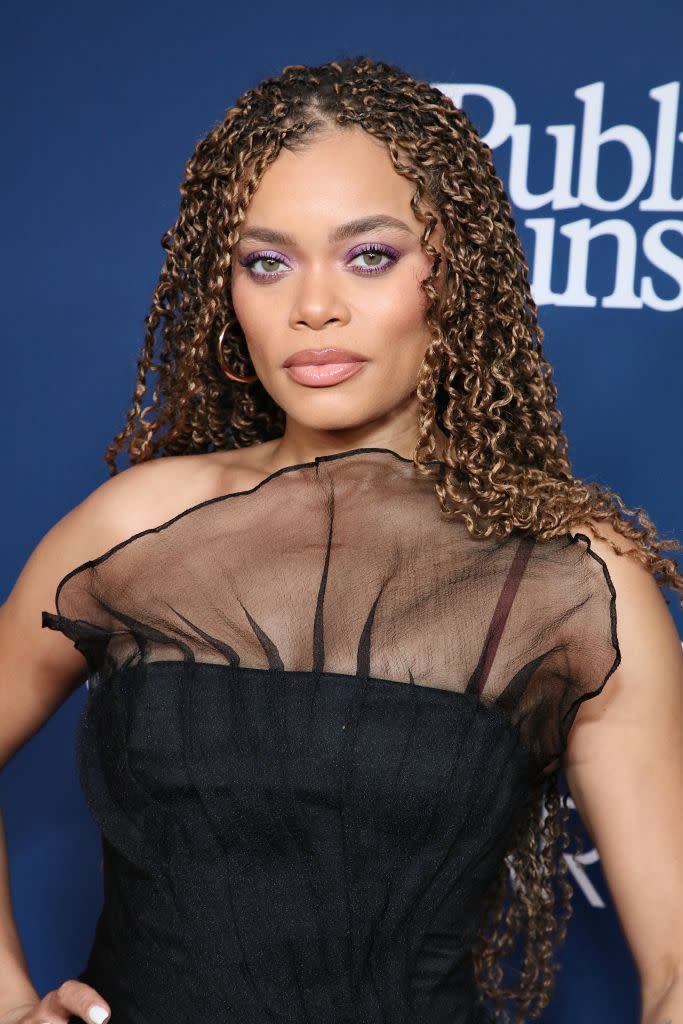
<point x="317" y="300"/>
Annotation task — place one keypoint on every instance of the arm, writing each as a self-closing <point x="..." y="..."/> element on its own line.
<point x="40" y="668"/>
<point x="665" y="1007"/>
<point x="37" y="674"/>
<point x="15" y="984"/>
<point x="624" y="769"/>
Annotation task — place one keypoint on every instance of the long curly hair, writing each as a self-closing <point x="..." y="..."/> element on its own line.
<point x="484" y="383"/>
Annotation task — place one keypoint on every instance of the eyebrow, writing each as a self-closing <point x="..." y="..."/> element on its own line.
<point x="339" y="234"/>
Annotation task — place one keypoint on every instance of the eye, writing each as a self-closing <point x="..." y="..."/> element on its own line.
<point x="381" y="258"/>
<point x="376" y="253"/>
<point x="265" y="258"/>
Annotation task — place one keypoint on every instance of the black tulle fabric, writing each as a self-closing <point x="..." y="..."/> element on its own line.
<point x="316" y="710"/>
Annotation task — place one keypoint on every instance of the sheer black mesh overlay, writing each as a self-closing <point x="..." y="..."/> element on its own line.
<point x="346" y="565"/>
<point x="316" y="712"/>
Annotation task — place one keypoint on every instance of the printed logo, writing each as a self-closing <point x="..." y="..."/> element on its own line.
<point x="641" y="244"/>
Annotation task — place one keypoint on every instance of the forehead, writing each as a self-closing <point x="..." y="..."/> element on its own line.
<point x="340" y="173"/>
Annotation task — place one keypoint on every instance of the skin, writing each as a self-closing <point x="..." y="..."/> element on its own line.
<point x="624" y="769"/>
<point x="624" y="761"/>
<point x="313" y="293"/>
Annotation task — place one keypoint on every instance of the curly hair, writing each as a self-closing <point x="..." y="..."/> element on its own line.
<point x="484" y="383"/>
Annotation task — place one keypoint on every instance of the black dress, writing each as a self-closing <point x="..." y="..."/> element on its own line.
<point x="315" y="714"/>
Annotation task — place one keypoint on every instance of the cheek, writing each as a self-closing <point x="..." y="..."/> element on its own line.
<point x="403" y="305"/>
<point x="259" y="312"/>
<point x="239" y="295"/>
<point x="253" y="313"/>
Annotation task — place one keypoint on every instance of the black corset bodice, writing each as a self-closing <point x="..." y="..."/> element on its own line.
<point x="316" y="712"/>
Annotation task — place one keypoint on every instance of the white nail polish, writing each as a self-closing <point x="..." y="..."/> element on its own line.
<point x="98" y="1014"/>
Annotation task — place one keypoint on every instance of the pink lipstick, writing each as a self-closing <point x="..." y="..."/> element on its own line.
<point x="323" y="367"/>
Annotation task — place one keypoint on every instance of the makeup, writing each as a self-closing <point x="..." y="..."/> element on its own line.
<point x="325" y="374"/>
<point x="321" y="367"/>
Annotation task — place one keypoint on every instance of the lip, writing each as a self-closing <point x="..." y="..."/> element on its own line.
<point x="324" y="375"/>
<point x="323" y="367"/>
<point x="322" y="356"/>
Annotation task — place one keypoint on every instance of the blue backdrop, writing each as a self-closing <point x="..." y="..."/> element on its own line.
<point x="581" y="105"/>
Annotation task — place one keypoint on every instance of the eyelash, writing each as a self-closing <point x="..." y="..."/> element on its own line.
<point x="381" y="249"/>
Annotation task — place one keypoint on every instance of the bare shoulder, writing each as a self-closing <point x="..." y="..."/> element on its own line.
<point x="632" y="579"/>
<point x="150" y="493"/>
<point x="40" y="667"/>
<point x="643" y="615"/>
<point x="650" y="670"/>
<point x="602" y="536"/>
<point x="139" y="498"/>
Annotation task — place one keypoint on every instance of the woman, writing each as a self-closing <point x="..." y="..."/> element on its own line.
<point x="349" y="611"/>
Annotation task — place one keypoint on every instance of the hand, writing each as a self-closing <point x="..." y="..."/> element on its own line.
<point x="72" y="998"/>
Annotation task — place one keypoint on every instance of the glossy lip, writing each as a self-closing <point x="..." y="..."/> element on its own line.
<point x="324" y="374"/>
<point x="321" y="356"/>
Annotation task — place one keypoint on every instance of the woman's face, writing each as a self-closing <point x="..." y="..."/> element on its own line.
<point x="306" y="277"/>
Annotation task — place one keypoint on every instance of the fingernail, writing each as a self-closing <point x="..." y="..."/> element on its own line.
<point x="98" y="1014"/>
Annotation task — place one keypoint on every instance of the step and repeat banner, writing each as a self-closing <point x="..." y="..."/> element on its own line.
<point x="583" y="112"/>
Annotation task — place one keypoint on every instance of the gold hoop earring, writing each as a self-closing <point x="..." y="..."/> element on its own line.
<point x="224" y="367"/>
